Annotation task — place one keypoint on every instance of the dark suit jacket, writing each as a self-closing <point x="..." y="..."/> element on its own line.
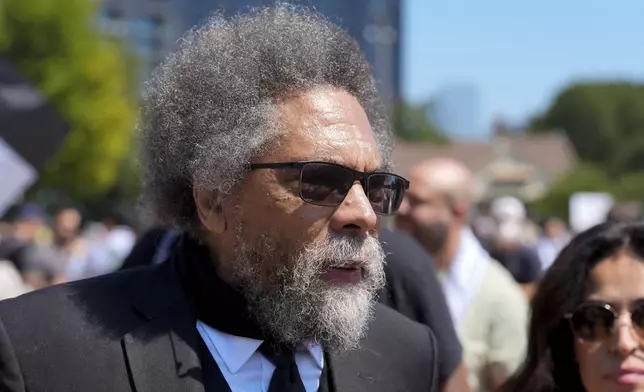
<point x="135" y="331"/>
<point x="142" y="254"/>
<point x="413" y="289"/>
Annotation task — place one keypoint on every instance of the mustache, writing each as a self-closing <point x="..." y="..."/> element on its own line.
<point x="340" y="251"/>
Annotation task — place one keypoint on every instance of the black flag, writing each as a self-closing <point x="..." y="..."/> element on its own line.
<point x="28" y="124"/>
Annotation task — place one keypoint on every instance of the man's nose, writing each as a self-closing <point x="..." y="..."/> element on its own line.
<point x="355" y="216"/>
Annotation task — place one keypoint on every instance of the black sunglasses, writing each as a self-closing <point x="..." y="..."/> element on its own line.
<point x="595" y="321"/>
<point x="327" y="184"/>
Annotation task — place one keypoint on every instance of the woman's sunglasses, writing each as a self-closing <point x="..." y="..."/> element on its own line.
<point x="327" y="184"/>
<point x="594" y="322"/>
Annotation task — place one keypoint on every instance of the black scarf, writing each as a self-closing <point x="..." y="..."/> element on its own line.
<point x="215" y="302"/>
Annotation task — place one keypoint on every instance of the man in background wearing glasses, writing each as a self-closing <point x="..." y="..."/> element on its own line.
<point x="265" y="143"/>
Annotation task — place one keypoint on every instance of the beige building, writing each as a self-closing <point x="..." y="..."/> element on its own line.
<point x="521" y="165"/>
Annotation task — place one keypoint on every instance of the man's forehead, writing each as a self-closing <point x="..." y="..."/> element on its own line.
<point x="420" y="191"/>
<point x="327" y="102"/>
<point x="341" y="157"/>
<point x="331" y="140"/>
<point x="448" y="176"/>
<point x="325" y="107"/>
<point x="329" y="125"/>
<point x="321" y="153"/>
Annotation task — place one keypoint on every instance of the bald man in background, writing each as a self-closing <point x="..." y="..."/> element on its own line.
<point x="488" y="308"/>
<point x="625" y="212"/>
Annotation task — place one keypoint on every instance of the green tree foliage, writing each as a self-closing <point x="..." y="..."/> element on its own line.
<point x="589" y="178"/>
<point x="412" y="122"/>
<point x="55" y="45"/>
<point x="585" y="178"/>
<point x="604" y="121"/>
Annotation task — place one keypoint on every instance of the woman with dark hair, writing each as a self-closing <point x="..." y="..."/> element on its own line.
<point x="587" y="328"/>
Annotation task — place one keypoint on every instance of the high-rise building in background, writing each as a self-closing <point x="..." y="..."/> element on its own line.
<point x="150" y="27"/>
<point x="455" y="111"/>
<point x="153" y="27"/>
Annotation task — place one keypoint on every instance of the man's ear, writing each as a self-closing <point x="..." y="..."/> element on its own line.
<point x="211" y="212"/>
<point x="460" y="209"/>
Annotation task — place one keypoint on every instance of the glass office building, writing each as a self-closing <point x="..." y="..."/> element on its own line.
<point x="153" y="26"/>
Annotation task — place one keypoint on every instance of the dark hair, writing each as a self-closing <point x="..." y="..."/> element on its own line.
<point x="210" y="108"/>
<point x="550" y="363"/>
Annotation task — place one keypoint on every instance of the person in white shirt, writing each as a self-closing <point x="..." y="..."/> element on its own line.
<point x="488" y="308"/>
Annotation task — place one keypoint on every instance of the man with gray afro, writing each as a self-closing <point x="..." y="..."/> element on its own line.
<point x="266" y="147"/>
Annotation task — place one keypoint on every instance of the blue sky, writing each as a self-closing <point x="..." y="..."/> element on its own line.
<point x="518" y="53"/>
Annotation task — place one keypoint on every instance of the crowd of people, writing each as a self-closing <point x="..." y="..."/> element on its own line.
<point x="266" y="154"/>
<point x="37" y="250"/>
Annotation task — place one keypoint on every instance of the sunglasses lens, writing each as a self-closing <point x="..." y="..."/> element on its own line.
<point x="325" y="184"/>
<point x="592" y="322"/>
<point x="385" y="192"/>
<point x="637" y="317"/>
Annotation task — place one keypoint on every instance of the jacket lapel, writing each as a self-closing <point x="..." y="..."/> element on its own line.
<point x="162" y="351"/>
<point x="355" y="371"/>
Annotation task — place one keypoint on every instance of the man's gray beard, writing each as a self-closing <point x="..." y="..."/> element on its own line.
<point x="294" y="305"/>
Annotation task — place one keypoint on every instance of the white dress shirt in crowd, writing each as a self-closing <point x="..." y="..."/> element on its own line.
<point x="464" y="276"/>
<point x="246" y="370"/>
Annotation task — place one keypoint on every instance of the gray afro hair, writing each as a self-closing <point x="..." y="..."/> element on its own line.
<point x="210" y="107"/>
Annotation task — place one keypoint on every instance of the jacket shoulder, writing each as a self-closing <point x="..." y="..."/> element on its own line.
<point x="386" y="317"/>
<point x="57" y="338"/>
<point x="394" y="326"/>
<point x="63" y="304"/>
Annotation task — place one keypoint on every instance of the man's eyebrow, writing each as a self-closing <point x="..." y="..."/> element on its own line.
<point x="330" y="158"/>
<point x="337" y="161"/>
<point x="342" y="162"/>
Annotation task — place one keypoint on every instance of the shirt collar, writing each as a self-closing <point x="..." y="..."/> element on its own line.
<point x="315" y="350"/>
<point x="468" y="257"/>
<point x="235" y="351"/>
<point x="462" y="280"/>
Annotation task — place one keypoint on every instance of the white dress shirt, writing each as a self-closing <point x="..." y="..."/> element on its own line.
<point x="463" y="279"/>
<point x="246" y="370"/>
